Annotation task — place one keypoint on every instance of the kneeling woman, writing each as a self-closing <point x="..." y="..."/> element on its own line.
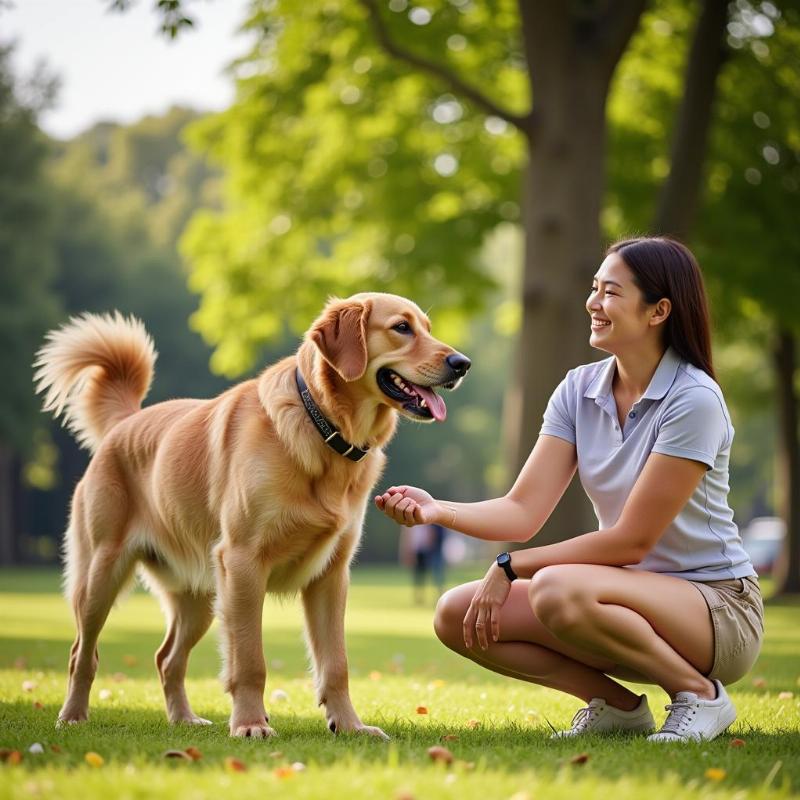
<point x="663" y="592"/>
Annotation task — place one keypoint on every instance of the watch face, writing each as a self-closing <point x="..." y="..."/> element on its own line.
<point x="503" y="558"/>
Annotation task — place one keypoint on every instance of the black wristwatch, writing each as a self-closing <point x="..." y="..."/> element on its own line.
<point x="504" y="562"/>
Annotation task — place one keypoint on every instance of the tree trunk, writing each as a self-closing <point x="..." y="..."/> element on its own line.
<point x="7" y="538"/>
<point x="571" y="60"/>
<point x="787" y="574"/>
<point x="680" y="194"/>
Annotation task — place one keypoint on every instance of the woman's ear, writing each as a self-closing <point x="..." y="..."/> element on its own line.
<point x="341" y="338"/>
<point x="661" y="311"/>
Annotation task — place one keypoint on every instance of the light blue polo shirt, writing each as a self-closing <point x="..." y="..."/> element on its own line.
<point x="682" y="414"/>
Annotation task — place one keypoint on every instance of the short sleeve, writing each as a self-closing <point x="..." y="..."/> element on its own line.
<point x="559" y="416"/>
<point x="694" y="426"/>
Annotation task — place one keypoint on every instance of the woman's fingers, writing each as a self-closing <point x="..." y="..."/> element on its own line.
<point x="482" y="623"/>
<point x="399" y="508"/>
<point x="469" y="625"/>
<point x="494" y="612"/>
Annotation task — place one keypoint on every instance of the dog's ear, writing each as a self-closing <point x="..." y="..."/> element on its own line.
<point x="340" y="334"/>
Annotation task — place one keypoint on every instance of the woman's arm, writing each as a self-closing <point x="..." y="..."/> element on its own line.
<point x="662" y="489"/>
<point x="515" y="517"/>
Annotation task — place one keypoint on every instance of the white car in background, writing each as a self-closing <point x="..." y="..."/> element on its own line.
<point x="763" y="540"/>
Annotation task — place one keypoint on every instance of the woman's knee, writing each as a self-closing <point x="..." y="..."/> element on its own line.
<point x="557" y="598"/>
<point x="448" y="619"/>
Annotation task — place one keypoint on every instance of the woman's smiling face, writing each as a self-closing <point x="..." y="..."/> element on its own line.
<point x="620" y="316"/>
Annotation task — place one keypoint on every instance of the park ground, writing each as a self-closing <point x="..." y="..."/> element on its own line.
<point x="402" y="679"/>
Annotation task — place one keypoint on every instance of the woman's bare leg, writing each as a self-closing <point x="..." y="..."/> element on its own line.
<point x="658" y="625"/>
<point x="528" y="650"/>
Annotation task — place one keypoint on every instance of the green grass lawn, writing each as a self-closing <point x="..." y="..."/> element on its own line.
<point x="500" y="727"/>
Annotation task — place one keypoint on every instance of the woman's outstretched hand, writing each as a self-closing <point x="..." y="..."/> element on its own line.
<point x="483" y="615"/>
<point x="408" y="506"/>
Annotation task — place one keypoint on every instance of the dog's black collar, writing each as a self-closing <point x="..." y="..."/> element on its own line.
<point x="332" y="437"/>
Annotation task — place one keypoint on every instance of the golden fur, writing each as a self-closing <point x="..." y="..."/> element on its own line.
<point x="218" y="501"/>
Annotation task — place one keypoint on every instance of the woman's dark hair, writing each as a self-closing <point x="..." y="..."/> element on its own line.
<point x="663" y="267"/>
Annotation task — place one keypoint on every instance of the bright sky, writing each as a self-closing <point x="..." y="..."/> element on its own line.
<point x="118" y="66"/>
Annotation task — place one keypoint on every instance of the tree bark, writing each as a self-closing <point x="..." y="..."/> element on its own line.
<point x="571" y="59"/>
<point x="7" y="537"/>
<point x="787" y="572"/>
<point x="681" y="192"/>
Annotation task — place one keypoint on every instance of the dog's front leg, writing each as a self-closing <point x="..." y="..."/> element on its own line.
<point x="324" y="602"/>
<point x="241" y="586"/>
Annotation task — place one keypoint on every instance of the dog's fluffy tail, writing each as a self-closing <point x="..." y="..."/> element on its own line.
<point x="95" y="370"/>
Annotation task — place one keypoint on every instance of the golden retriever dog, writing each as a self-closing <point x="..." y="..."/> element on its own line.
<point x="261" y="489"/>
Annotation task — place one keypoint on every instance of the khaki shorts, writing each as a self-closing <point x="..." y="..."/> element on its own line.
<point x="737" y="612"/>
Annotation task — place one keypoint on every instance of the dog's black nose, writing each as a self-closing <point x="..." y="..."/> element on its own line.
<point x="458" y="363"/>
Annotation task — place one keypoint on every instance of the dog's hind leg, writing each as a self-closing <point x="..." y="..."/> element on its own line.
<point x="188" y="618"/>
<point x="98" y="565"/>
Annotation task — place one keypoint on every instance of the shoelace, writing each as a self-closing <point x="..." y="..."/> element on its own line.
<point x="582" y="718"/>
<point x="680" y="715"/>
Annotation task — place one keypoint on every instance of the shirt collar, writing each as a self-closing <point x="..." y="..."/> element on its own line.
<point x="664" y="376"/>
<point x="600" y="386"/>
<point x="660" y="383"/>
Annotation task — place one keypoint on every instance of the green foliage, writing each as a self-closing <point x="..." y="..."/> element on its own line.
<point x="346" y="170"/>
<point x="27" y="306"/>
<point x="749" y="235"/>
<point x="396" y="665"/>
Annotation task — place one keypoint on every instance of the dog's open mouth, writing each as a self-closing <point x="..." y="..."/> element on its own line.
<point x="421" y="401"/>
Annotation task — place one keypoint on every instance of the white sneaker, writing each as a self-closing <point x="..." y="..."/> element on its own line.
<point x="599" y="717"/>
<point x="691" y="718"/>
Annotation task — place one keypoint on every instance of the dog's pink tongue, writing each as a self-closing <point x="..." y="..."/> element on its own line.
<point x="435" y="403"/>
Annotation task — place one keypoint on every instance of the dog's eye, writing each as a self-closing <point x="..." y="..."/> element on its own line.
<point x="402" y="327"/>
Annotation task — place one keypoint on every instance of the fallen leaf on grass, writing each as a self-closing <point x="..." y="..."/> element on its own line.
<point x="785" y="695"/>
<point x="180" y="754"/>
<point x="94" y="759"/>
<point x="759" y="683"/>
<point x="55" y="748"/>
<point x="473" y="723"/>
<point x="276" y="754"/>
<point x="193" y="753"/>
<point x="10" y="756"/>
<point x="375" y="675"/>
<point x="403" y="794"/>
<point x="422" y="710"/>
<point x="234" y="765"/>
<point x="439" y="753"/>
<point x="119" y="677"/>
<point x="38" y="706"/>
<point x="283" y="773"/>
<point x="738" y="742"/>
<point x="449" y="737"/>
<point x="715" y="773"/>
<point x="20" y="662"/>
<point x="130" y="661"/>
<point x="581" y="758"/>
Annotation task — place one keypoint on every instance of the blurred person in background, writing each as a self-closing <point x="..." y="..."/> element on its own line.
<point x="422" y="549"/>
